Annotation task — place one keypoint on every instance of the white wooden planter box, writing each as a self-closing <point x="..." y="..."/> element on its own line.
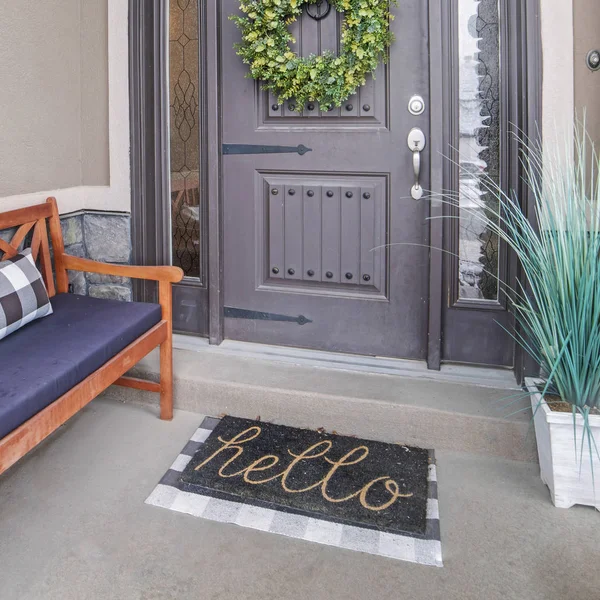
<point x="569" y="480"/>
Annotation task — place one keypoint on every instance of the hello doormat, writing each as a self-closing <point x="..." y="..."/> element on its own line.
<point x="342" y="491"/>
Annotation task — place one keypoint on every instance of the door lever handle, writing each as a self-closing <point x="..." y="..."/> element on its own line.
<point x="416" y="143"/>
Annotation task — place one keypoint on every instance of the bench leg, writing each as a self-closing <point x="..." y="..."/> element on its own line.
<point x="166" y="353"/>
<point x="166" y="380"/>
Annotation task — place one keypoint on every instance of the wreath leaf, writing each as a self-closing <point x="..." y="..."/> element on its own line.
<point x="326" y="78"/>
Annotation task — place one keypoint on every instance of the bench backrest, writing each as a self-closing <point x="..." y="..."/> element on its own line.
<point x="38" y="219"/>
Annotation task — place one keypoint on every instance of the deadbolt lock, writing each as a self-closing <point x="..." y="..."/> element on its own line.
<point x="416" y="105"/>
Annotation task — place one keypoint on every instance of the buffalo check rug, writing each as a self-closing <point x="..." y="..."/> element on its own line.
<point x="341" y="491"/>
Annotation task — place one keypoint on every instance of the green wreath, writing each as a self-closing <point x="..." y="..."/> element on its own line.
<point x="326" y="78"/>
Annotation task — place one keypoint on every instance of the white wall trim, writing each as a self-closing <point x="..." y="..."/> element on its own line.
<point x="558" y="96"/>
<point x="116" y="196"/>
<point x="119" y="193"/>
<point x="69" y="199"/>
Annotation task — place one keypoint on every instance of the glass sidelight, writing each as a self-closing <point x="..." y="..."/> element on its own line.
<point x="184" y="132"/>
<point x="485" y="87"/>
<point x="479" y="146"/>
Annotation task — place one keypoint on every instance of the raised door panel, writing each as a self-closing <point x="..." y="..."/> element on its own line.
<point x="366" y="108"/>
<point x="324" y="233"/>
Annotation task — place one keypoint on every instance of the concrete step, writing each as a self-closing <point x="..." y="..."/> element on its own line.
<point x="449" y="412"/>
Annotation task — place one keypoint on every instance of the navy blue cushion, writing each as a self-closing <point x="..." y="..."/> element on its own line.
<point x="45" y="359"/>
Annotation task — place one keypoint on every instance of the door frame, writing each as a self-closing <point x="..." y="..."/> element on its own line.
<point x="148" y="72"/>
<point x="149" y="139"/>
<point x="521" y="109"/>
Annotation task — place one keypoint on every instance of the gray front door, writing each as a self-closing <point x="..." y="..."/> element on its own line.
<point x="331" y="238"/>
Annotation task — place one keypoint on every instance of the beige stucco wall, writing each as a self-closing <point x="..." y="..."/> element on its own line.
<point x="64" y="104"/>
<point x="587" y="83"/>
<point x="570" y="29"/>
<point x="40" y="104"/>
<point x="53" y="95"/>
<point x="95" y="168"/>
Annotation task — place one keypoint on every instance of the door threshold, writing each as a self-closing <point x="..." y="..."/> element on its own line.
<point x="453" y="373"/>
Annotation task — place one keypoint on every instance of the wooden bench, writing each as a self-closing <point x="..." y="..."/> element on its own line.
<point x="34" y="222"/>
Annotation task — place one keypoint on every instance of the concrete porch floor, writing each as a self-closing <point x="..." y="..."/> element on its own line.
<point x="73" y="525"/>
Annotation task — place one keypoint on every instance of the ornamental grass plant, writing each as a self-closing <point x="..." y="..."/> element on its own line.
<point x="557" y="307"/>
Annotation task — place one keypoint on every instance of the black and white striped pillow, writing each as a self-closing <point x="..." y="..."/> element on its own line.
<point x="23" y="295"/>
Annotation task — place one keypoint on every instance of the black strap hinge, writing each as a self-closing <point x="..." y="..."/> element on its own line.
<point x="257" y="315"/>
<point x="260" y="149"/>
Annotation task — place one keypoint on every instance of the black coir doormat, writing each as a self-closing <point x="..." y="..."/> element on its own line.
<point x="337" y="478"/>
<point x="320" y="488"/>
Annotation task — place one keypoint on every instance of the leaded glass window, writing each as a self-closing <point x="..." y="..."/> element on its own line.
<point x="184" y="135"/>
<point x="479" y="145"/>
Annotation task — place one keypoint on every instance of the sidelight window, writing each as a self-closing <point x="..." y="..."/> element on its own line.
<point x="184" y="131"/>
<point x="479" y="146"/>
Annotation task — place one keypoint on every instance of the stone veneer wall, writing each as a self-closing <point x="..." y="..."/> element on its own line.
<point x="105" y="237"/>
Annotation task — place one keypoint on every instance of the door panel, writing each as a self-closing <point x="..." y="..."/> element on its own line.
<point x="334" y="234"/>
<point x="322" y="230"/>
<point x="314" y="37"/>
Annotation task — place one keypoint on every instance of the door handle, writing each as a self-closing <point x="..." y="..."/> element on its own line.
<point x="416" y="143"/>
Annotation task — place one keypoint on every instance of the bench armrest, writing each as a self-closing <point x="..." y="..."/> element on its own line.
<point x="166" y="274"/>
